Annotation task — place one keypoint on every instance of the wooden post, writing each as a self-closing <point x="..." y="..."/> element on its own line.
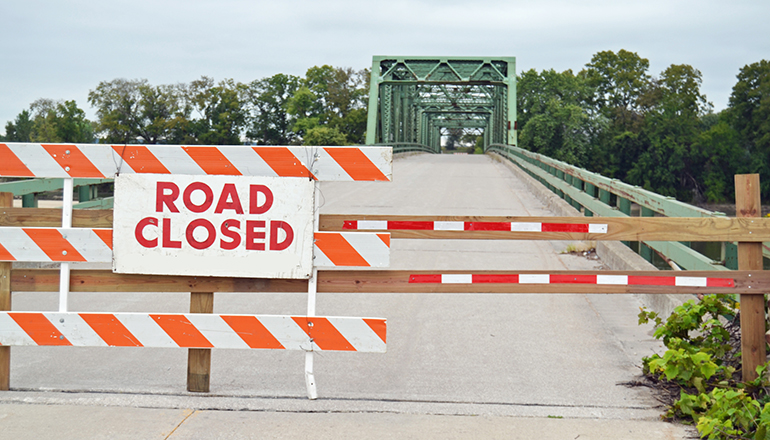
<point x="199" y="359"/>
<point x="748" y="204"/>
<point x="6" y="200"/>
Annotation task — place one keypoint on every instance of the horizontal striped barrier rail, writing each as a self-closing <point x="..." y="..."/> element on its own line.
<point x="105" y="161"/>
<point x="354" y="249"/>
<point x="398" y="281"/>
<point x="555" y="228"/>
<point x="194" y="330"/>
<point x="625" y="229"/>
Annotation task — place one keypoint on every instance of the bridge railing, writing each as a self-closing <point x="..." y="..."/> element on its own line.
<point x="592" y="193"/>
<point x="30" y="189"/>
<point x="405" y="147"/>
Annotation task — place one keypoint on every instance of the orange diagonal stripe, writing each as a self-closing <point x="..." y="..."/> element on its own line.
<point x="283" y="162"/>
<point x="51" y="242"/>
<point x="212" y="161"/>
<point x="140" y="159"/>
<point x="385" y="239"/>
<point x="355" y="163"/>
<point x="181" y="330"/>
<point x="323" y="333"/>
<point x="11" y="165"/>
<point x="5" y="255"/>
<point x="379" y="326"/>
<point x="253" y="333"/>
<point x="70" y="156"/>
<point x="112" y="331"/>
<point x="39" y="328"/>
<point x="338" y="250"/>
<point x="105" y="235"/>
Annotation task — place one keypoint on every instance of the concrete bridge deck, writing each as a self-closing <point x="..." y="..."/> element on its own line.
<point x="533" y="366"/>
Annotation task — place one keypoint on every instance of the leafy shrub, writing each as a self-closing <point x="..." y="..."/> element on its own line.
<point x="702" y="361"/>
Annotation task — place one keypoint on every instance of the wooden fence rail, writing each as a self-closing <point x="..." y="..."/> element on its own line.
<point x="751" y="282"/>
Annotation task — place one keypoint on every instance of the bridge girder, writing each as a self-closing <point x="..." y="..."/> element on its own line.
<point x="412" y="99"/>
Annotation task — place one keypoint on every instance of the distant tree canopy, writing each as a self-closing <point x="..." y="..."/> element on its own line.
<point x="660" y="133"/>
<point x="327" y="105"/>
<point x="612" y="117"/>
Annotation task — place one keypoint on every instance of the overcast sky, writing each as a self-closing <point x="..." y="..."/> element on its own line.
<point x="61" y="49"/>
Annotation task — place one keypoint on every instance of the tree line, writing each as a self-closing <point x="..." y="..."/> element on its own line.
<point x="325" y="107"/>
<point x="612" y="117"/>
<point x="660" y="133"/>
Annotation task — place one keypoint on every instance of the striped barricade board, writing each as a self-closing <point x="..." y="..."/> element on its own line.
<point x="349" y="249"/>
<point x="105" y="161"/>
<point x="193" y="331"/>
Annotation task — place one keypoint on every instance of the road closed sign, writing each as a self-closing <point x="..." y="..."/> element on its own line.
<point x="233" y="226"/>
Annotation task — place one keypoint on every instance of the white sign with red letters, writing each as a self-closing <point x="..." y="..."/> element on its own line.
<point x="213" y="225"/>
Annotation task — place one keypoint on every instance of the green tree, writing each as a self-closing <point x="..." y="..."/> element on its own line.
<point x="220" y="109"/>
<point x="670" y="165"/>
<point x="133" y="111"/>
<point x="331" y="96"/>
<point x="749" y="114"/>
<point x="323" y="136"/>
<point x="72" y="125"/>
<point x="270" y="122"/>
<point x="21" y="129"/>
<point x="555" y="115"/>
<point x="620" y="79"/>
<point x="59" y="121"/>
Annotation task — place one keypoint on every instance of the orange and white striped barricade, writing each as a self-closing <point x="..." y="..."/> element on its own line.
<point x="213" y="183"/>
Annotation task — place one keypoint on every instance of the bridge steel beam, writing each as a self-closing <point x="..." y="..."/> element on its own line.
<point x="411" y="98"/>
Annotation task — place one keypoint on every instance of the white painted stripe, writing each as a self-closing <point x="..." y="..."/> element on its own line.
<point x="595" y="228"/>
<point x="75" y="329"/>
<point x="370" y="247"/>
<point x="11" y="333"/>
<point x="690" y="281"/>
<point x="90" y="246"/>
<point x="320" y="259"/>
<point x="23" y="248"/>
<point x="39" y="162"/>
<point x="287" y="332"/>
<point x="526" y="227"/>
<point x="534" y="279"/>
<point x="216" y="330"/>
<point x="456" y="278"/>
<point x="145" y="329"/>
<point x="175" y="159"/>
<point x="247" y="161"/>
<point x="448" y="226"/>
<point x="617" y="280"/>
<point x="321" y="164"/>
<point x="104" y="159"/>
<point x="374" y="225"/>
<point x="359" y="334"/>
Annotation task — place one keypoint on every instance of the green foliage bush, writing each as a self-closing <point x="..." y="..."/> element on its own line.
<point x="701" y="361"/>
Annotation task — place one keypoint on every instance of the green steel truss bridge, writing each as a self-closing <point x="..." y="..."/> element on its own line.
<point x="414" y="101"/>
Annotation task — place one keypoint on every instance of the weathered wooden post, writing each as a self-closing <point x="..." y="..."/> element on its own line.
<point x="199" y="359"/>
<point x="748" y="204"/>
<point x="6" y="201"/>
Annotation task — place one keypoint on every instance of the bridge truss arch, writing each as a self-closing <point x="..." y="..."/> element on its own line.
<point x="417" y="100"/>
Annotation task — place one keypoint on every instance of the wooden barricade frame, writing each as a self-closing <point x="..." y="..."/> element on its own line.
<point x="750" y="282"/>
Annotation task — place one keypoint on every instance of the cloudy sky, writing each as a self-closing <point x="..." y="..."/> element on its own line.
<point x="61" y="49"/>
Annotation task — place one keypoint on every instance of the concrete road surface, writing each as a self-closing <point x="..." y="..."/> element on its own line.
<point x="457" y="366"/>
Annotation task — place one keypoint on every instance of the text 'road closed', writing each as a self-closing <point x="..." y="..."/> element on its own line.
<point x="213" y="225"/>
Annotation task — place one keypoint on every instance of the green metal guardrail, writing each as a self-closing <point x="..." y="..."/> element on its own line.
<point x="404" y="147"/>
<point x="594" y="193"/>
<point x="30" y="188"/>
